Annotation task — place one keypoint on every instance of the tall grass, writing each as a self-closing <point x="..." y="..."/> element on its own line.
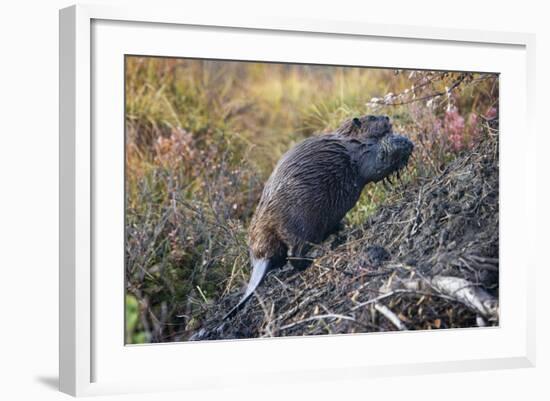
<point x="202" y="137"/>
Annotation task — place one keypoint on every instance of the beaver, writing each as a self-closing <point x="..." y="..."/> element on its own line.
<point x="311" y="189"/>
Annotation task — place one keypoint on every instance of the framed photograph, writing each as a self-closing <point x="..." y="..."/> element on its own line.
<point x="339" y="199"/>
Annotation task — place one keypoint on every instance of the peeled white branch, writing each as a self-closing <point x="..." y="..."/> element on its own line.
<point x="392" y="317"/>
<point x="467" y="293"/>
<point x="458" y="289"/>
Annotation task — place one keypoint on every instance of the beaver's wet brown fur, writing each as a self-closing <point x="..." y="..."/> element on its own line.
<point x="312" y="188"/>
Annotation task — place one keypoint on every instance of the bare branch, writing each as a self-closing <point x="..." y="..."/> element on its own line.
<point x="392" y="317"/>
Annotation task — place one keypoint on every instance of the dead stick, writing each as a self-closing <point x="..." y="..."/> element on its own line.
<point x="392" y="317"/>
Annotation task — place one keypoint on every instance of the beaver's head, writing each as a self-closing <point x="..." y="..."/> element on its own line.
<point x="369" y="125"/>
<point x="380" y="152"/>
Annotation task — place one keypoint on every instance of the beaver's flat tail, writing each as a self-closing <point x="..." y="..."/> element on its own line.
<point x="260" y="267"/>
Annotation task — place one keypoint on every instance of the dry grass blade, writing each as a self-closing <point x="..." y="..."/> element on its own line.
<point x="312" y="318"/>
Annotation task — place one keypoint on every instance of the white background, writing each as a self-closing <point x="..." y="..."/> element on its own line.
<point x="29" y="185"/>
<point x="238" y="360"/>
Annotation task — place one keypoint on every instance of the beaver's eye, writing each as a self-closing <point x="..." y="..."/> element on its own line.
<point x="372" y="118"/>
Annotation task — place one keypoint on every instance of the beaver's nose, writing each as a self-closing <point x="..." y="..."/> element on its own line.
<point x="404" y="143"/>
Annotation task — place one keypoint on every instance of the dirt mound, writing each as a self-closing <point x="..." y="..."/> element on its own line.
<point x="428" y="258"/>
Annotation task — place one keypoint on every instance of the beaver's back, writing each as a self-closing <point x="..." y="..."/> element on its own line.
<point x="307" y="195"/>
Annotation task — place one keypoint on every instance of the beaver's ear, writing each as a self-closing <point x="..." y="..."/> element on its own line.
<point x="357" y="122"/>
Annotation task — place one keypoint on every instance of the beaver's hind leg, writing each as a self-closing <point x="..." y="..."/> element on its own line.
<point x="297" y="256"/>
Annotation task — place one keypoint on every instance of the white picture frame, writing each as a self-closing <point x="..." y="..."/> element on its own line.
<point x="93" y="361"/>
